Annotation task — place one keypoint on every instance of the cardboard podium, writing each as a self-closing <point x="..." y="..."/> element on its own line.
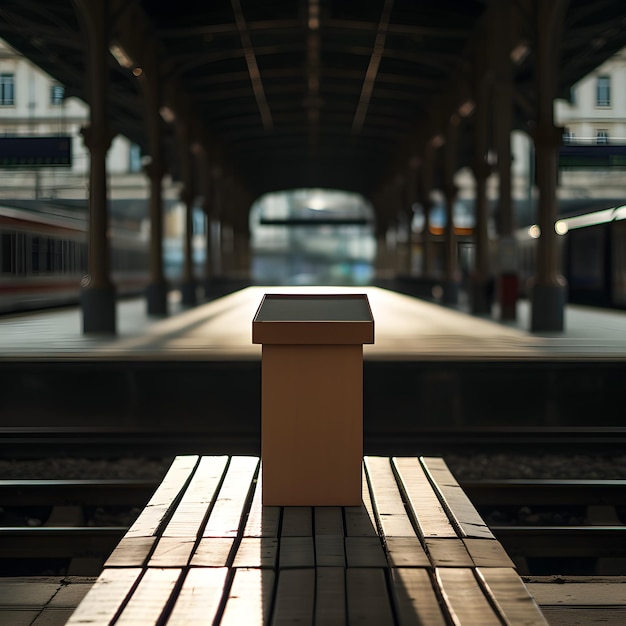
<point x="312" y="397"/>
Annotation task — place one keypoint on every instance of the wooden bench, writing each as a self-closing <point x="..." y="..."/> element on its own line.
<point x="205" y="551"/>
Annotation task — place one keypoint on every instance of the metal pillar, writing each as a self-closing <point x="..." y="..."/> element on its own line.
<point x="480" y="286"/>
<point x="451" y="281"/>
<point x="548" y="291"/>
<point x="188" y="286"/>
<point x="156" y="291"/>
<point x="410" y="190"/>
<point x="426" y="187"/>
<point x="508" y="287"/>
<point x="207" y="207"/>
<point x="97" y="295"/>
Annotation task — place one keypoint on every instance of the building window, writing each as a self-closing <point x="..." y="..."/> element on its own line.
<point x="7" y="90"/>
<point x="134" y="158"/>
<point x="57" y="94"/>
<point x="568" y="136"/>
<point x="602" y="136"/>
<point x="603" y="91"/>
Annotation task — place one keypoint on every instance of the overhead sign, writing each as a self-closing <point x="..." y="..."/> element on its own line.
<point x="25" y="152"/>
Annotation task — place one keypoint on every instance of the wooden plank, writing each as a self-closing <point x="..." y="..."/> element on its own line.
<point x="105" y="598"/>
<point x="131" y="552"/>
<point x="415" y="600"/>
<point x="330" y="596"/>
<point x="367" y="598"/>
<point x="225" y="517"/>
<point x="212" y="552"/>
<point x="422" y="500"/>
<point x="194" y="505"/>
<point x="406" y="552"/>
<point x="328" y="520"/>
<point x="257" y="552"/>
<point x="464" y="597"/>
<point x="166" y="495"/>
<point x="511" y="596"/>
<point x="295" y="597"/>
<point x="488" y="553"/>
<point x="199" y="598"/>
<point x="297" y="521"/>
<point x="296" y="552"/>
<point x="365" y="552"/>
<point x="249" y="601"/>
<point x="359" y="523"/>
<point x="329" y="551"/>
<point x="448" y="553"/>
<point x="360" y="520"/>
<point x="150" y="598"/>
<point x="390" y="512"/>
<point x="458" y="506"/>
<point x="172" y="552"/>
<point x="262" y="521"/>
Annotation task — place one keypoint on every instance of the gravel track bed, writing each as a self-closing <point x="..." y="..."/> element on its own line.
<point x="464" y="466"/>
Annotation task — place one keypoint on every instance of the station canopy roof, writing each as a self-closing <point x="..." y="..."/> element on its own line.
<point x="311" y="93"/>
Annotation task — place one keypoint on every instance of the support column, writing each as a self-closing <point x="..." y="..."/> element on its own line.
<point x="549" y="288"/>
<point x="399" y="199"/>
<point x="451" y="281"/>
<point x="384" y="275"/>
<point x="156" y="291"/>
<point x="426" y="187"/>
<point x="207" y="207"/>
<point x="188" y="286"/>
<point x="410" y="191"/>
<point x="507" y="281"/>
<point x="481" y="292"/>
<point x="481" y="296"/>
<point x="97" y="295"/>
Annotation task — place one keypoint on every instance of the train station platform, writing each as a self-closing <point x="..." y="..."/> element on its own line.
<point x="431" y="367"/>
<point x="406" y="328"/>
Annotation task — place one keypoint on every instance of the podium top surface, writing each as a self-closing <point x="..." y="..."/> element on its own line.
<point x="313" y="319"/>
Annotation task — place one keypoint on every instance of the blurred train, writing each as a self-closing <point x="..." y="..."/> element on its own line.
<point x="43" y="254"/>
<point x="593" y="254"/>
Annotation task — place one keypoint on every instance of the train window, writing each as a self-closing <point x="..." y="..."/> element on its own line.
<point x="6" y="257"/>
<point x="34" y="255"/>
<point x="82" y="257"/>
<point x="49" y="255"/>
<point x="66" y="251"/>
<point x="20" y="259"/>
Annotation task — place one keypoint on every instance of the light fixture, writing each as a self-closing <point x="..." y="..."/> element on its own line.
<point x="167" y="114"/>
<point x="520" y="52"/>
<point x="121" y="56"/>
<point x="467" y="108"/>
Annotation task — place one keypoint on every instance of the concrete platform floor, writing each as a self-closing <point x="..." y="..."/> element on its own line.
<point x="406" y="328"/>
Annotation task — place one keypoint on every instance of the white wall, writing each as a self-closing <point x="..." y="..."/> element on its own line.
<point x="32" y="113"/>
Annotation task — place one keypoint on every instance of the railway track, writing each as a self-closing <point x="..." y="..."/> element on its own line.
<point x="68" y="533"/>
<point x="42" y="442"/>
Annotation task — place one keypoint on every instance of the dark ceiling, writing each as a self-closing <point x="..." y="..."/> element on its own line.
<point x="308" y="93"/>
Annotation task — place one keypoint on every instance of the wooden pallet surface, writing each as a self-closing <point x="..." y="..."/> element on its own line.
<point x="205" y="551"/>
